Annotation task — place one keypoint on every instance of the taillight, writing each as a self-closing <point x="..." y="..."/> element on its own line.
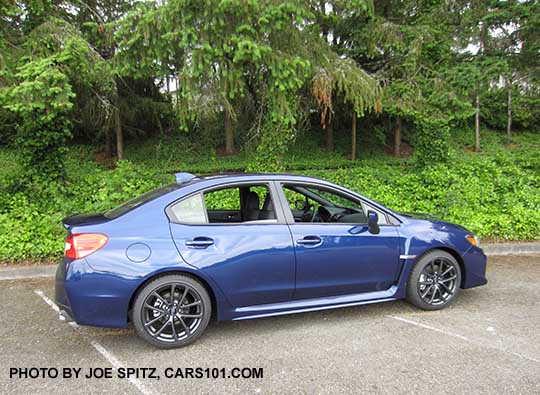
<point x="79" y="245"/>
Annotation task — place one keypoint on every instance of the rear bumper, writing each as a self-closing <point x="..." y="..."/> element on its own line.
<point x="91" y="298"/>
<point x="60" y="296"/>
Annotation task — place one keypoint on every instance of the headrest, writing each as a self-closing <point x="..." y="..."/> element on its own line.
<point x="252" y="201"/>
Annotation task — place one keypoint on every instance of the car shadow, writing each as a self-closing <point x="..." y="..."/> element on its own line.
<point x="233" y="332"/>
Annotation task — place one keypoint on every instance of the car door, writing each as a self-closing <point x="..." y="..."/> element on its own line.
<point x="342" y="258"/>
<point x="251" y="261"/>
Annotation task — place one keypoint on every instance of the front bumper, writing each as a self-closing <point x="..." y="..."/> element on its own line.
<point x="476" y="265"/>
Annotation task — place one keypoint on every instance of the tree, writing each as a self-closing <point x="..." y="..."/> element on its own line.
<point x="480" y="66"/>
<point x="217" y="48"/>
<point x="343" y="77"/>
<point x="222" y="50"/>
<point x="514" y="26"/>
<point x="98" y="20"/>
<point x="334" y="21"/>
<point x="404" y="45"/>
<point x="56" y="62"/>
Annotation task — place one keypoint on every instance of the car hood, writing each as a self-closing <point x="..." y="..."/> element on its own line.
<point x="428" y="217"/>
<point x="436" y="221"/>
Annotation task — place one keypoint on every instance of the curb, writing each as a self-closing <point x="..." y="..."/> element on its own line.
<point x="511" y="248"/>
<point x="45" y="271"/>
<point x="18" y="273"/>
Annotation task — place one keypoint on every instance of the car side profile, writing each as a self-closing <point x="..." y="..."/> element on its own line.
<point x="233" y="247"/>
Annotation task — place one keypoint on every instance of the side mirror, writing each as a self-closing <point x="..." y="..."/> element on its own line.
<point x="373" y="219"/>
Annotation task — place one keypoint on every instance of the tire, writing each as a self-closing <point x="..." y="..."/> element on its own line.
<point x="171" y="325"/>
<point x="434" y="281"/>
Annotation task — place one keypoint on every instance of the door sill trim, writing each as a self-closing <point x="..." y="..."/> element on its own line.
<point x="306" y="305"/>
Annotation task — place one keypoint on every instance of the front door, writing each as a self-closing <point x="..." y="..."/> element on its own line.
<point x="335" y="252"/>
<point x="235" y="236"/>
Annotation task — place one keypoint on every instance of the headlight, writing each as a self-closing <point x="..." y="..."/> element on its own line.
<point x="473" y="240"/>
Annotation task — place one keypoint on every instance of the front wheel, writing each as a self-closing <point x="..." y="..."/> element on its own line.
<point x="172" y="311"/>
<point x="434" y="281"/>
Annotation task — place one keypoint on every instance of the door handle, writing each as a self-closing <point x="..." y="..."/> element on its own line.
<point x="200" y="242"/>
<point x="310" y="240"/>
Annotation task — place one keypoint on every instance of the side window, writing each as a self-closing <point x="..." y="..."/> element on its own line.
<point x="190" y="210"/>
<point x="223" y="199"/>
<point x="297" y="201"/>
<point x="238" y="204"/>
<point x="335" y="199"/>
<point x="264" y="195"/>
<point x="312" y="204"/>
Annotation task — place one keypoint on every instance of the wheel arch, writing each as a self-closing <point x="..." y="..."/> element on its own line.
<point x="452" y="252"/>
<point x="195" y="276"/>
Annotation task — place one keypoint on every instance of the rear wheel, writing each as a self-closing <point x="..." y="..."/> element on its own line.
<point x="172" y="311"/>
<point x="434" y="281"/>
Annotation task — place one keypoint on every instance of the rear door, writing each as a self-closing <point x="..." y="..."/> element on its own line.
<point x="252" y="261"/>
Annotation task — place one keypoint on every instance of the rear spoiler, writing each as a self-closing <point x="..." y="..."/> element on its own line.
<point x="83" y="219"/>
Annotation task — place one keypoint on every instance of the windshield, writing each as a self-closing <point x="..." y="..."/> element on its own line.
<point x="139" y="200"/>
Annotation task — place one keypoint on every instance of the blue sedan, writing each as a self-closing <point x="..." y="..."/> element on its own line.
<point x="234" y="247"/>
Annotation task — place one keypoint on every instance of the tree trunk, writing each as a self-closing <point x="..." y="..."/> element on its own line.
<point x="119" y="134"/>
<point x="353" y="137"/>
<point x="397" y="137"/>
<point x="329" y="137"/>
<point x="108" y="142"/>
<point x="477" y="125"/>
<point x="509" y="105"/>
<point x="229" y="136"/>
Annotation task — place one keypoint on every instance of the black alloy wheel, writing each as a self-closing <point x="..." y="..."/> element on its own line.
<point x="172" y="311"/>
<point x="434" y="281"/>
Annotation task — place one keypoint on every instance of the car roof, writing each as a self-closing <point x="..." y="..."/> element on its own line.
<point x="184" y="177"/>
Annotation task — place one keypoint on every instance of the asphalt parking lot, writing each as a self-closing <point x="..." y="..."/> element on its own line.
<point x="487" y="342"/>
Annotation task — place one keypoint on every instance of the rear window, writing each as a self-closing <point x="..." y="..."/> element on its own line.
<point x="140" y="200"/>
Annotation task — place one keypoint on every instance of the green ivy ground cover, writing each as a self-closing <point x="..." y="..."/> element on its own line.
<point x="495" y="194"/>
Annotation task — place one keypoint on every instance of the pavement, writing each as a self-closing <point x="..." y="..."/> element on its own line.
<point x="486" y="342"/>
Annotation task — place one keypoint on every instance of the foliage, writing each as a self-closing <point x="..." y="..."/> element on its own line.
<point x="268" y="53"/>
<point x="57" y="61"/>
<point x="494" y="194"/>
<point x="39" y="232"/>
<point x="42" y="100"/>
<point x="491" y="196"/>
<point x="525" y="109"/>
<point x="431" y="145"/>
<point x="168" y="77"/>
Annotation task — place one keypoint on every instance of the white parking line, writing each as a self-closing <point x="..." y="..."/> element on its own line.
<point x="110" y="357"/>
<point x="54" y="307"/>
<point x="458" y="336"/>
<point x="429" y="327"/>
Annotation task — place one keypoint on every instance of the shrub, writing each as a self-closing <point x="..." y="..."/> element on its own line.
<point x="494" y="194"/>
<point x="431" y="143"/>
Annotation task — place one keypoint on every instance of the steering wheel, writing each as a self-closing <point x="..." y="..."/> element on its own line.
<point x="336" y="217"/>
